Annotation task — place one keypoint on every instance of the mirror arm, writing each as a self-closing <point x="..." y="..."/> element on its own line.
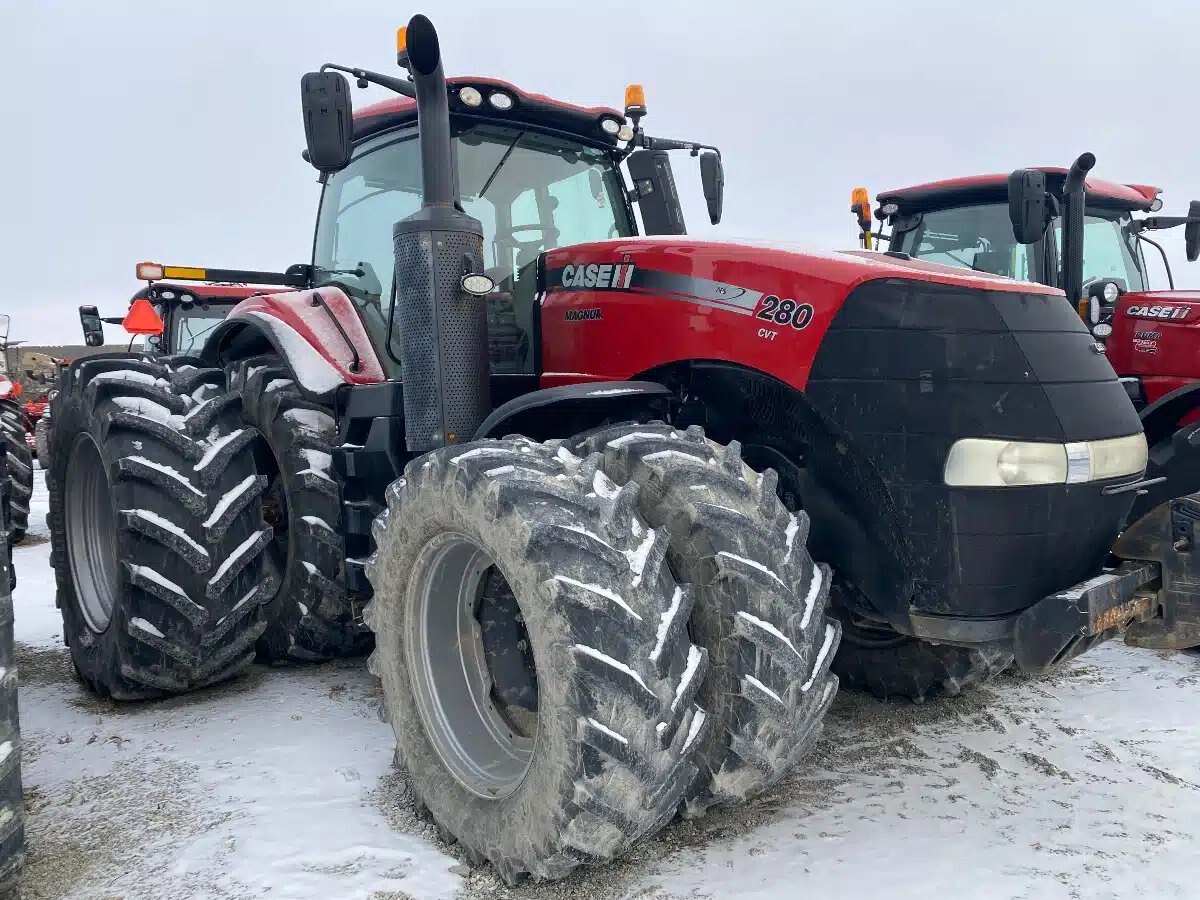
<point x="1161" y="252"/>
<point x="365" y="76"/>
<point x="1159" y="223"/>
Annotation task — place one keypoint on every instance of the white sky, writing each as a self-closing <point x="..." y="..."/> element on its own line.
<point x="171" y="130"/>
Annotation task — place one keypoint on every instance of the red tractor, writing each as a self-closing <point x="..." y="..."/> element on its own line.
<point x="565" y="477"/>
<point x="1000" y="224"/>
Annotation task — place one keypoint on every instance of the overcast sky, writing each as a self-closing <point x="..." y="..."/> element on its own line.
<point x="171" y="130"/>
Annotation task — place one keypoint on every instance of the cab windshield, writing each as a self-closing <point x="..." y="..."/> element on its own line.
<point x="981" y="238"/>
<point x="531" y="191"/>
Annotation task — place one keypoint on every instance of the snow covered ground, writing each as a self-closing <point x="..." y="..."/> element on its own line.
<point x="280" y="785"/>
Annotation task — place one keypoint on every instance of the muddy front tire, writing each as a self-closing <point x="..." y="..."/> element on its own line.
<point x="759" y="600"/>
<point x="311" y="617"/>
<point x="156" y="526"/>
<point x="535" y="663"/>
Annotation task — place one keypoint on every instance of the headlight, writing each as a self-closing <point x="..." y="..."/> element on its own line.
<point x="470" y="96"/>
<point x="1111" y="292"/>
<point x="1102" y="330"/>
<point x="500" y="100"/>
<point x="986" y="462"/>
<point x="610" y="126"/>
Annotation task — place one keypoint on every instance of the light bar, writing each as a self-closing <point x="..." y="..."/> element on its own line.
<point x="988" y="462"/>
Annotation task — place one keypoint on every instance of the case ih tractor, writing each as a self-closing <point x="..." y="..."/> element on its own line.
<point x="1000" y="224"/>
<point x="566" y="477"/>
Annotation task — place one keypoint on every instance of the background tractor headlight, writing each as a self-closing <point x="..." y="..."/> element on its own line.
<point x="987" y="462"/>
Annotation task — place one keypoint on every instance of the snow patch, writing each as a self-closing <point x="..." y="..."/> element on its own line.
<point x="313" y="419"/>
<point x="318" y="459"/>
<point x="167" y="525"/>
<point x="314" y="372"/>
<point x="242" y="549"/>
<point x="637" y="558"/>
<point x="148" y="573"/>
<point x="601" y="592"/>
<point x="762" y="687"/>
<point x="143" y="625"/>
<point x="667" y="454"/>
<point x="276" y="383"/>
<point x="303" y="608"/>
<point x="810" y="599"/>
<point x="633" y="436"/>
<point x="499" y="470"/>
<point x="689" y="672"/>
<point x="767" y="627"/>
<point x="664" y="624"/>
<point x="821" y="654"/>
<point x="146" y="409"/>
<point x="604" y="486"/>
<point x="317" y="472"/>
<point x="752" y="563"/>
<point x="604" y="729"/>
<point x="789" y="535"/>
<point x="225" y="502"/>
<point x="474" y="453"/>
<point x="612" y="392"/>
<point x="317" y="520"/>
<point x="609" y="661"/>
<point x="216" y="446"/>
<point x="694" y="729"/>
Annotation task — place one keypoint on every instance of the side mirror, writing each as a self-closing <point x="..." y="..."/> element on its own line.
<point x="657" y="197"/>
<point x="328" y="120"/>
<point x="1191" y="232"/>
<point x="1027" y="208"/>
<point x="712" y="178"/>
<point x="93" y="328"/>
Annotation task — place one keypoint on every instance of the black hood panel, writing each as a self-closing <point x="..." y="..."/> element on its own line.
<point x="907" y="368"/>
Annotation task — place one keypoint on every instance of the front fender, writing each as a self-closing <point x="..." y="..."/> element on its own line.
<point x="567" y="410"/>
<point x="302" y="329"/>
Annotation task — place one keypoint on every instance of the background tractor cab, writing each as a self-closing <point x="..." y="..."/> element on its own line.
<point x="1012" y="225"/>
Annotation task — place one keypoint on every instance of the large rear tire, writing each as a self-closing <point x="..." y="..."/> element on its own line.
<point x="311" y="617"/>
<point x="20" y="468"/>
<point x="12" y="804"/>
<point x="535" y="663"/>
<point x="759" y="600"/>
<point x="156" y="526"/>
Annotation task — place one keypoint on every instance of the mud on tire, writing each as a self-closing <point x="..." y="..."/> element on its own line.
<point x="604" y="625"/>
<point x="311" y="617"/>
<point x="759" y="600"/>
<point x="20" y="468"/>
<point x="154" y="511"/>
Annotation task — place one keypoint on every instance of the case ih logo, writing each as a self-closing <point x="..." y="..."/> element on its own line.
<point x="1159" y="312"/>
<point x="597" y="275"/>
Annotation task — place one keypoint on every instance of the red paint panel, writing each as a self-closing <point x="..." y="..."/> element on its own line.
<point x="1149" y="340"/>
<point x="1139" y="196"/>
<point x="645" y="326"/>
<point x="297" y="310"/>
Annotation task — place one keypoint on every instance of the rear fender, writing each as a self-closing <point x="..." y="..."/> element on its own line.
<point x="302" y="327"/>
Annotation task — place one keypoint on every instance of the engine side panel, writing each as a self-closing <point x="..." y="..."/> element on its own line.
<point x="1156" y="336"/>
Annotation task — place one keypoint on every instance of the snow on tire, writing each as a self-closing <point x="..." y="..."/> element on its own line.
<point x="12" y="806"/>
<point x="760" y="600"/>
<point x="156" y="525"/>
<point x="311" y="617"/>
<point x="587" y="705"/>
<point x="20" y="468"/>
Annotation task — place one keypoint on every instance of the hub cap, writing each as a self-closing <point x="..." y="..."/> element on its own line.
<point x="91" y="534"/>
<point x="477" y="698"/>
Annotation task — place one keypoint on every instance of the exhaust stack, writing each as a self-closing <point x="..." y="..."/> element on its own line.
<point x="438" y="331"/>
<point x="1074" y="200"/>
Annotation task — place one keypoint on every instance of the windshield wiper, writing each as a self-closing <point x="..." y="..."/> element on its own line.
<point x="496" y="171"/>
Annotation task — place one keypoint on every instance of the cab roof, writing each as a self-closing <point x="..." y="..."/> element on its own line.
<point x="994" y="188"/>
<point x="535" y="109"/>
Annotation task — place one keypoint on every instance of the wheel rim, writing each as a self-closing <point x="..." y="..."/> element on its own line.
<point x="91" y="534"/>
<point x="482" y="743"/>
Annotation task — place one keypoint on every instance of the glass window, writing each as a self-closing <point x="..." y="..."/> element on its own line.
<point x="969" y="237"/>
<point x="1109" y="250"/>
<point x="192" y="326"/>
<point x="531" y="191"/>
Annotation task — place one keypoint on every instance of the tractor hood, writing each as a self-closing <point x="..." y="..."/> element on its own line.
<point x="898" y="360"/>
<point x="1154" y="338"/>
